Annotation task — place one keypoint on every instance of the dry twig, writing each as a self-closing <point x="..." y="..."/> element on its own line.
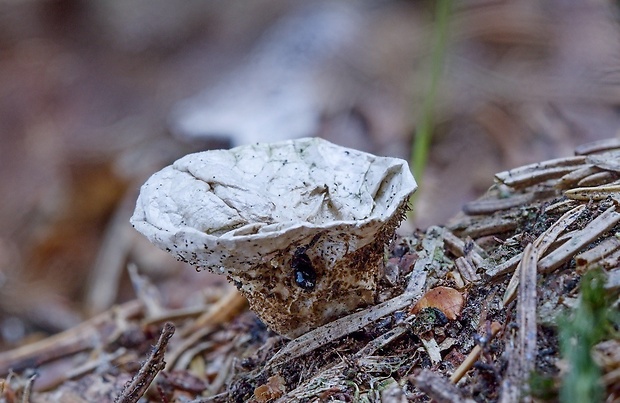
<point x="579" y="240"/>
<point x="472" y="357"/>
<point x="222" y="311"/>
<point x="522" y="361"/>
<point x="90" y="334"/>
<point x="133" y="391"/>
<point x="542" y="244"/>
<point x="535" y="173"/>
<point x="343" y="326"/>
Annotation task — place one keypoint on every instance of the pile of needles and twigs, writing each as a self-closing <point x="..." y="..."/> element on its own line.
<point x="515" y="298"/>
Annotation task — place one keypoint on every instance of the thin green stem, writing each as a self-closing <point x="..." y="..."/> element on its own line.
<point x="422" y="140"/>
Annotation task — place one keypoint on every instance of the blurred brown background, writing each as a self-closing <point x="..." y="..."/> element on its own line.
<point x="97" y="95"/>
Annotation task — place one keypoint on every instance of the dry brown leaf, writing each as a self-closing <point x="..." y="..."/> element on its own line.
<point x="446" y="299"/>
<point x="273" y="389"/>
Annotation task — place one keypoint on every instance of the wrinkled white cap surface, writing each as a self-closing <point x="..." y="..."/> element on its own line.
<point x="223" y="209"/>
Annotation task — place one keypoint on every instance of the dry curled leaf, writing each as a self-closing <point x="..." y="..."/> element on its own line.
<point x="446" y="299"/>
<point x="273" y="389"/>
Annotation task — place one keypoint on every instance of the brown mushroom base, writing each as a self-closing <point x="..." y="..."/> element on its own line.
<point x="309" y="285"/>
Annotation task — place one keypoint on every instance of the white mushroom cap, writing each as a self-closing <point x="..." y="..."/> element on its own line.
<point x="253" y="212"/>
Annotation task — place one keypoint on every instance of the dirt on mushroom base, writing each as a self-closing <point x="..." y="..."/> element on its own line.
<point x="508" y="333"/>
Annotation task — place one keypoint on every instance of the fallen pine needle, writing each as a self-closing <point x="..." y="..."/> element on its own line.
<point x="472" y="357"/>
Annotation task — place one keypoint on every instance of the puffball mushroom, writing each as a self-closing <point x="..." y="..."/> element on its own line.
<point x="298" y="226"/>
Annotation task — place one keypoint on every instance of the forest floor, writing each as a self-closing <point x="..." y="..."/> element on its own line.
<point x="96" y="97"/>
<point x="516" y="298"/>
